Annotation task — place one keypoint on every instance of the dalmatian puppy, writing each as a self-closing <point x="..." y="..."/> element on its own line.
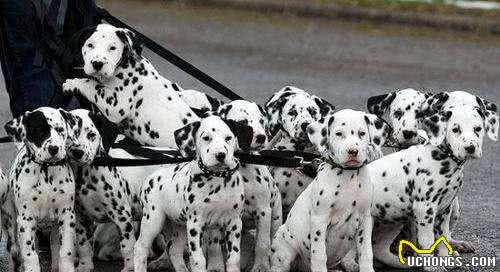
<point x="400" y="110"/>
<point x="102" y="193"/>
<point x="262" y="197"/>
<point x="289" y="112"/>
<point x="332" y="215"/>
<point x="197" y="196"/>
<point x="128" y="90"/>
<point x="418" y="185"/>
<point x="42" y="184"/>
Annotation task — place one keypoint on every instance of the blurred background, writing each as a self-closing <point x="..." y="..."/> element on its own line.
<point x="344" y="51"/>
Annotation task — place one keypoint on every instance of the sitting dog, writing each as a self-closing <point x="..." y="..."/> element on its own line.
<point x="42" y="185"/>
<point x="332" y="215"/>
<point x="102" y="193"/>
<point x="418" y="185"/>
<point x="289" y="112"/>
<point x="197" y="196"/>
<point x="128" y="90"/>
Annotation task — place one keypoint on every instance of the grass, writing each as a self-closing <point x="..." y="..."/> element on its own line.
<point x="438" y="6"/>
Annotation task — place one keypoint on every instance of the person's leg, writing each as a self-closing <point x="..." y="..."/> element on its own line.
<point x="29" y="81"/>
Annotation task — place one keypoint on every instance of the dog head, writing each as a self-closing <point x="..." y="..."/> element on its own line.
<point x="96" y="133"/>
<point x="45" y="132"/>
<point x="400" y="110"/>
<point x="213" y="141"/>
<point x="461" y="128"/>
<point x="250" y="114"/>
<point x="292" y="110"/>
<point x="350" y="138"/>
<point x="108" y="48"/>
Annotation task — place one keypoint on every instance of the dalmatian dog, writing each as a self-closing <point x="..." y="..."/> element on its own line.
<point x="400" y="110"/>
<point x="194" y="197"/>
<point x="102" y="193"/>
<point x="128" y="90"/>
<point x="289" y="112"/>
<point x="419" y="185"/>
<point x="332" y="215"/>
<point x="42" y="184"/>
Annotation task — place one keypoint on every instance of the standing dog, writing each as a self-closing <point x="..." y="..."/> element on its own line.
<point x="128" y="90"/>
<point x="42" y="184"/>
<point x="418" y="185"/>
<point x="289" y="112"/>
<point x="332" y="215"/>
<point x="197" y="196"/>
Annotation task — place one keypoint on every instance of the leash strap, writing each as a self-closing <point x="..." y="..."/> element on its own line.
<point x="134" y="148"/>
<point x="117" y="162"/>
<point x="6" y="139"/>
<point x="172" y="58"/>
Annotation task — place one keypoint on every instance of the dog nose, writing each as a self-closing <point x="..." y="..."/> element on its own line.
<point x="97" y="65"/>
<point x="408" y="134"/>
<point x="353" y="152"/>
<point x="470" y="149"/>
<point x="220" y="156"/>
<point x="260" y="139"/>
<point x="53" y="150"/>
<point x="304" y="126"/>
<point x="77" y="154"/>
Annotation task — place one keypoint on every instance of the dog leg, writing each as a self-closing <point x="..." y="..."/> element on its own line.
<point x="55" y="242"/>
<point x="177" y="248"/>
<point x="363" y="241"/>
<point x="98" y="94"/>
<point x="124" y="223"/>
<point x="151" y="225"/>
<point x="67" y="232"/>
<point x="25" y="228"/>
<point x="318" y="225"/>
<point x="382" y="245"/>
<point x="263" y="240"/>
<point x="425" y="230"/>
<point x="233" y="238"/>
<point x="460" y="246"/>
<point x="84" y="246"/>
<point x="215" y="257"/>
<point x="283" y="253"/>
<point x="194" y="231"/>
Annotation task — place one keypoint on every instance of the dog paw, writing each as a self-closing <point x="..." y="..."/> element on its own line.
<point x="73" y="85"/>
<point x="463" y="246"/>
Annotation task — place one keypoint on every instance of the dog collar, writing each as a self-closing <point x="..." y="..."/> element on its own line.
<point x="445" y="148"/>
<point x="220" y="174"/>
<point x="47" y="164"/>
<point x="336" y="165"/>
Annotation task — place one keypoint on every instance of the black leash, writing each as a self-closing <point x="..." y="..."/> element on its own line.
<point x="172" y="58"/>
<point x="5" y="139"/>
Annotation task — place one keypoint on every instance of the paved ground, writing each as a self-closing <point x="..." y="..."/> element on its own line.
<point x="257" y="54"/>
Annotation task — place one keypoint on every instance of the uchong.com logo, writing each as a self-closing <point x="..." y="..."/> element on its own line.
<point x="425" y="257"/>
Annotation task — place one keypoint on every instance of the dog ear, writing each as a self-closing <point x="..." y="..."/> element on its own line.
<point x="107" y="129"/>
<point x="73" y="122"/>
<point x="214" y="102"/>
<point x="435" y="126"/>
<point x="491" y="118"/>
<point x="273" y="109"/>
<point x="203" y="112"/>
<point x="318" y="133"/>
<point x="132" y="46"/>
<point x="378" y="129"/>
<point x="15" y="128"/>
<point x="224" y="110"/>
<point x="325" y="107"/>
<point x="185" y="139"/>
<point x="379" y="104"/>
<point x="243" y="133"/>
<point x="433" y="104"/>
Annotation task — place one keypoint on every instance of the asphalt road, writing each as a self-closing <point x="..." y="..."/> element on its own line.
<point x="257" y="54"/>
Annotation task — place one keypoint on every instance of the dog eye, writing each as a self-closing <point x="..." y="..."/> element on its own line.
<point x="59" y="129"/>
<point x="112" y="48"/>
<point x="478" y="129"/>
<point x="261" y="121"/>
<point x="292" y="113"/>
<point x="362" y="133"/>
<point x="90" y="45"/>
<point x="312" y="111"/>
<point x="91" y="136"/>
<point x="398" y="114"/>
<point x="456" y="130"/>
<point x="228" y="138"/>
<point x="206" y="138"/>
<point x="339" y="134"/>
